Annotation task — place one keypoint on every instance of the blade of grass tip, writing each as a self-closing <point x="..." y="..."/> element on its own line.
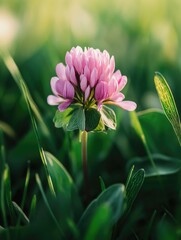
<point x="168" y="103"/>
<point x="27" y="179"/>
<point x="150" y="224"/>
<point x="47" y="204"/>
<point x="13" y="69"/>
<point x="137" y="126"/>
<point x="129" y="176"/>
<point x="103" y="187"/>
<point x="7" y="129"/>
<point x="33" y="206"/>
<point x="3" y="208"/>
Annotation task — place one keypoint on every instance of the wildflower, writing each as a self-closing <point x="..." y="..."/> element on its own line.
<point x="84" y="86"/>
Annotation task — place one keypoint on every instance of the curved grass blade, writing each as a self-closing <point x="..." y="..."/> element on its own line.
<point x="32" y="206"/>
<point x="2" y="200"/>
<point x="24" y="197"/>
<point x="32" y="109"/>
<point x="13" y="69"/>
<point x="7" y="129"/>
<point x="47" y="203"/>
<point x="168" y="103"/>
<point x="103" y="186"/>
<point x="137" y="126"/>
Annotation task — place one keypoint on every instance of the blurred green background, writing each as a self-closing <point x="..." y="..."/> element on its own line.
<point x="143" y="35"/>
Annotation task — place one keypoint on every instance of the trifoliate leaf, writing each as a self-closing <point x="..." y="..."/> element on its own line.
<point x="61" y="119"/>
<point x="77" y="120"/>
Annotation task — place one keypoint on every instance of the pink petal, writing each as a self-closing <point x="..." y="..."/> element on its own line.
<point x="68" y="90"/>
<point x="67" y="73"/>
<point x="72" y="76"/>
<point x="60" y="71"/>
<point x="64" y="105"/>
<point x="112" y="64"/>
<point x="93" y="77"/>
<point x="60" y="86"/>
<point x="127" y="105"/>
<point x="53" y="84"/>
<point x="101" y="91"/>
<point x="83" y="82"/>
<point x="118" y="97"/>
<point x="122" y="82"/>
<point x="113" y="86"/>
<point x="91" y="63"/>
<point x="68" y="59"/>
<point x="87" y="72"/>
<point x="53" y="100"/>
<point x="87" y="93"/>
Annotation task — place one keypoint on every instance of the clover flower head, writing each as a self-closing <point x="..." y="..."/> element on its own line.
<point x="89" y="82"/>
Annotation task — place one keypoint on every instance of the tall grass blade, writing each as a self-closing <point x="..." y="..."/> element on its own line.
<point x="137" y="126"/>
<point x="32" y="108"/>
<point x="13" y="69"/>
<point x="2" y="201"/>
<point x="24" y="196"/>
<point x="33" y="206"/>
<point x="47" y="204"/>
<point x="168" y="103"/>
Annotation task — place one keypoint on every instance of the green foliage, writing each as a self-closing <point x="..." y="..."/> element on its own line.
<point x="168" y="103"/>
<point x="113" y="200"/>
<point x="133" y="186"/>
<point x="47" y="201"/>
<point x="164" y="165"/>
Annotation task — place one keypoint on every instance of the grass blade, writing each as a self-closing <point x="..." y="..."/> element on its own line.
<point x="32" y="108"/>
<point x="33" y="206"/>
<point x="20" y="213"/>
<point x="137" y="126"/>
<point x="7" y="129"/>
<point x="13" y="69"/>
<point x="47" y="204"/>
<point x="2" y="201"/>
<point x="168" y="103"/>
<point x="24" y="197"/>
<point x="103" y="187"/>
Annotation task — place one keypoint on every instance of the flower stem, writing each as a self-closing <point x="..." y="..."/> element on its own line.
<point x="84" y="163"/>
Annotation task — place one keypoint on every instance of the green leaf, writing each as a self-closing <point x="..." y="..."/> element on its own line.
<point x="165" y="165"/>
<point x="109" y="117"/>
<point x="114" y="197"/>
<point x="64" y="187"/>
<point x="158" y="133"/>
<point x="99" y="227"/>
<point x="138" y="128"/>
<point x="103" y="187"/>
<point x="47" y="204"/>
<point x="61" y="119"/>
<point x="77" y="120"/>
<point x="168" y="103"/>
<point x="133" y="186"/>
<point x="92" y="118"/>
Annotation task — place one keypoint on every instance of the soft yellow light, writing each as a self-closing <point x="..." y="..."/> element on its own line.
<point x="8" y="28"/>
